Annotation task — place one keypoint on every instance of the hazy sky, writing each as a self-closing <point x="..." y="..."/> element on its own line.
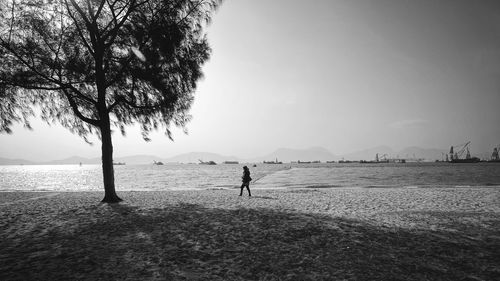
<point x="345" y="75"/>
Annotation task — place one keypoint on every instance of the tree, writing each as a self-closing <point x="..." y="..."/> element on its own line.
<point x="94" y="65"/>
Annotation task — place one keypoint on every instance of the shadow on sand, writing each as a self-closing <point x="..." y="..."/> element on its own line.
<point x="190" y="242"/>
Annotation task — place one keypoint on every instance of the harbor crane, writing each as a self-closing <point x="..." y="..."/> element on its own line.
<point x="457" y="156"/>
<point x="382" y="158"/>
<point x="494" y="155"/>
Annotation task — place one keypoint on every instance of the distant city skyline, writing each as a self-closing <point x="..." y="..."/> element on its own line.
<point x="344" y="75"/>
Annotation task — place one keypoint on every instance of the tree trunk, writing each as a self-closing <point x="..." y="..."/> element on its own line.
<point x="107" y="164"/>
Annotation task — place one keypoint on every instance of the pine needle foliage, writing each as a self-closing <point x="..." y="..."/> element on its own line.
<point x="98" y="65"/>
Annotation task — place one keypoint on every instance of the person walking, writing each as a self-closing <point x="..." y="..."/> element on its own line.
<point x="246" y="180"/>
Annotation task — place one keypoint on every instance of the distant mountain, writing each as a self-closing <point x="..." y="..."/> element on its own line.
<point x="285" y="155"/>
<point x="422" y="153"/>
<point x="193" y="157"/>
<point x="72" y="160"/>
<point x="368" y="154"/>
<point x="131" y="160"/>
<point x="7" y="161"/>
<point x="413" y="152"/>
<point x="138" y="159"/>
<point x="289" y="155"/>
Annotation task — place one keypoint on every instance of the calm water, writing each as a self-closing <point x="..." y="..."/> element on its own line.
<point x="190" y="176"/>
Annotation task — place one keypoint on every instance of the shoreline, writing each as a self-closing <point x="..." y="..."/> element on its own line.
<point x="352" y="202"/>
<point x="257" y="188"/>
<point x="287" y="234"/>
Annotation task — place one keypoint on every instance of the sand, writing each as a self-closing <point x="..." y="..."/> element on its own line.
<point x="282" y="234"/>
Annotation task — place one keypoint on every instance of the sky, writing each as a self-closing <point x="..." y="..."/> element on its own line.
<point x="344" y="75"/>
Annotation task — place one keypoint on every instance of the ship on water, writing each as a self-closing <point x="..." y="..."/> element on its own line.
<point x="207" y="162"/>
<point x="383" y="159"/>
<point x="457" y="155"/>
<point x="273" y="162"/>
<point x="343" y="161"/>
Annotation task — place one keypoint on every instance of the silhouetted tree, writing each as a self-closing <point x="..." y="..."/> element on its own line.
<point x="94" y="65"/>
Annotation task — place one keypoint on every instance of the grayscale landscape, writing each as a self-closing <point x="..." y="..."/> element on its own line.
<point x="249" y="140"/>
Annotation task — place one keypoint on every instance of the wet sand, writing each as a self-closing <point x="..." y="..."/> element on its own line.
<point x="301" y="234"/>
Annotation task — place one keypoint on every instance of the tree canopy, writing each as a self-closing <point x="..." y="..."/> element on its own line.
<point x="92" y="65"/>
<point x="150" y="51"/>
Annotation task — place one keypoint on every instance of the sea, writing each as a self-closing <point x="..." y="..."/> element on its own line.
<point x="265" y="176"/>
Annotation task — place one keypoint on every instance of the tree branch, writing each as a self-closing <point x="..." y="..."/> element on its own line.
<point x="99" y="10"/>
<point x="77" y="112"/>
<point x="24" y="62"/>
<point x="78" y="92"/>
<point x="79" y="30"/>
<point x="114" y="31"/>
<point x="30" y="87"/>
<point x="12" y="20"/>
<point x="190" y="11"/>
<point x="114" y="15"/>
<point x="80" y="11"/>
<point x="90" y="27"/>
<point x="50" y="80"/>
<point x="121" y="99"/>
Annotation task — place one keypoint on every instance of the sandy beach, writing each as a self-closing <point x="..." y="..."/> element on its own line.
<point x="287" y="234"/>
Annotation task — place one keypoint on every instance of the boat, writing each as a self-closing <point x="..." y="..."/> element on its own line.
<point x="230" y="162"/>
<point x="157" y="163"/>
<point x="343" y="161"/>
<point x="382" y="159"/>
<point x="304" y="162"/>
<point x="273" y="162"/>
<point x="207" y="163"/>
<point x="471" y="160"/>
<point x="456" y="156"/>
<point x="118" y="163"/>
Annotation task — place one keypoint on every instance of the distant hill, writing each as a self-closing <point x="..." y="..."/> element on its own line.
<point x="7" y="161"/>
<point x="135" y="159"/>
<point x="425" y="153"/>
<point x="285" y="155"/>
<point x="131" y="160"/>
<point x="72" y="160"/>
<point x="368" y="154"/>
<point x="289" y="155"/>
<point x="413" y="152"/>
<point x="138" y="159"/>
<point x="193" y="157"/>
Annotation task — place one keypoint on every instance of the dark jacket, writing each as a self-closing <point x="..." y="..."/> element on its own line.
<point x="246" y="176"/>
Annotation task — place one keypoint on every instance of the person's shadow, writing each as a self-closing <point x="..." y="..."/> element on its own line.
<point x="263" y="197"/>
